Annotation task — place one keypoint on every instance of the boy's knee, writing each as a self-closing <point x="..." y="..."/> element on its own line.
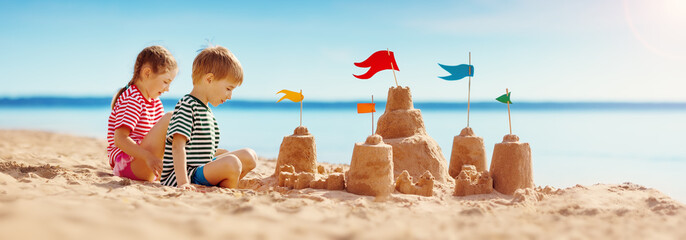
<point x="251" y="163"/>
<point x="253" y="154"/>
<point x="231" y="164"/>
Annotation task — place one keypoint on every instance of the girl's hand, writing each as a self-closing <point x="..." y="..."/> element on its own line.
<point x="154" y="163"/>
<point x="187" y="186"/>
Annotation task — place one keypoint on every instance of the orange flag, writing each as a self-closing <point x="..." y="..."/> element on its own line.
<point x="366" y="107"/>
<point x="290" y="95"/>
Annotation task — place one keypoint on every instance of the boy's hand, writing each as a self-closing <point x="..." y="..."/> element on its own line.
<point x="154" y="163"/>
<point x="187" y="186"/>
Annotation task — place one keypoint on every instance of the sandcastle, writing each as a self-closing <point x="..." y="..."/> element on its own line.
<point x="299" y="151"/>
<point x="468" y="149"/>
<point x="424" y="186"/>
<point x="402" y="127"/>
<point x="470" y="181"/>
<point x="371" y="168"/>
<point x="511" y="165"/>
<point x="296" y="165"/>
<point x="287" y="177"/>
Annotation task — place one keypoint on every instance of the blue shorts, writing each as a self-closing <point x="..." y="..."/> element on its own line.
<point x="199" y="177"/>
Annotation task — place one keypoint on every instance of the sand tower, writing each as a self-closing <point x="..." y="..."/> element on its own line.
<point x="402" y="127"/>
<point x="468" y="149"/>
<point x="371" y="168"/>
<point x="511" y="165"/>
<point x="299" y="151"/>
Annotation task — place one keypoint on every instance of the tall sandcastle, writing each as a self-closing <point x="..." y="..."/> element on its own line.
<point x="468" y="149"/>
<point x="511" y="165"/>
<point x="299" y="151"/>
<point x="371" y="168"/>
<point x="402" y="127"/>
<point x="296" y="165"/>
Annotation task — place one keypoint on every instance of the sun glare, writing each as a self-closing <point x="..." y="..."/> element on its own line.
<point x="658" y="25"/>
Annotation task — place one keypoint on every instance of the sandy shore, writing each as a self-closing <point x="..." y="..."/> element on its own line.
<point x="55" y="186"/>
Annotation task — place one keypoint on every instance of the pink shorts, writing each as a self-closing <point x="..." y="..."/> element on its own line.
<point x="122" y="167"/>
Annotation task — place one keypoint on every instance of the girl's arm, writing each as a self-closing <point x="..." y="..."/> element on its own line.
<point x="126" y="144"/>
<point x="179" y="156"/>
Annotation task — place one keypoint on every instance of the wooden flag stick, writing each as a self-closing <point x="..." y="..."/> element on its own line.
<point x="469" y="91"/>
<point x="301" y="108"/>
<point x="392" y="68"/>
<point x="509" y="119"/>
<point x="373" y="115"/>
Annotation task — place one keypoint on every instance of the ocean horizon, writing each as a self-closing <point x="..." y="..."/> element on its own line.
<point x="63" y="101"/>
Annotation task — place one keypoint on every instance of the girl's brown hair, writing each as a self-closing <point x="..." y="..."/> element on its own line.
<point x="157" y="57"/>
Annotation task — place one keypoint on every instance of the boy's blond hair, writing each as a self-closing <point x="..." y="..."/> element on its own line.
<point x="219" y="61"/>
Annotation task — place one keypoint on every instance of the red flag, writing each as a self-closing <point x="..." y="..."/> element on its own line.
<point x="381" y="60"/>
<point x="366" y="107"/>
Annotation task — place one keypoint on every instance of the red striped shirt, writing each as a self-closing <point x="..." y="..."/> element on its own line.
<point x="132" y="111"/>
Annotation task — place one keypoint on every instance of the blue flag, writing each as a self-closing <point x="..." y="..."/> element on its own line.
<point x="458" y="72"/>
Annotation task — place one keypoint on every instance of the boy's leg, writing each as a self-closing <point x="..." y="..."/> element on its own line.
<point x="154" y="143"/>
<point x="248" y="159"/>
<point x="225" y="171"/>
<point x="220" y="151"/>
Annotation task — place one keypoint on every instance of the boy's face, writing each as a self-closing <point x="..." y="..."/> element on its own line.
<point x="221" y="90"/>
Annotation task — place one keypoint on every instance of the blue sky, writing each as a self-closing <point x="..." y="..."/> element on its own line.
<point x="582" y="50"/>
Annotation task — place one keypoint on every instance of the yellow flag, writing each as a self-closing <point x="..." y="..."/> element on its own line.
<point x="290" y="95"/>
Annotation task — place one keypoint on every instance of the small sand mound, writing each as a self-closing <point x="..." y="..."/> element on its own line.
<point x="20" y="170"/>
<point x="664" y="205"/>
<point x="533" y="194"/>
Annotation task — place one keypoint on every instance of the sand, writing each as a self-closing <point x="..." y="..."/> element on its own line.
<point x="55" y="186"/>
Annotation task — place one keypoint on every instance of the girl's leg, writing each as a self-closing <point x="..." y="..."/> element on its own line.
<point x="248" y="159"/>
<point x="225" y="171"/>
<point x="154" y="143"/>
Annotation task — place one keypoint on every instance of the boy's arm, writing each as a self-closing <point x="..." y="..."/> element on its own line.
<point x="179" y="156"/>
<point x="126" y="144"/>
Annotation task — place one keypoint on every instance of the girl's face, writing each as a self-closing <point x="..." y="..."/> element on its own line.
<point x="156" y="84"/>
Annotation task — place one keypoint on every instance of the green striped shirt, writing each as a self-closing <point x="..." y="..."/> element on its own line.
<point x="194" y="120"/>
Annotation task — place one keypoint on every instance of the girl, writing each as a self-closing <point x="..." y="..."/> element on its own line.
<point x="137" y="124"/>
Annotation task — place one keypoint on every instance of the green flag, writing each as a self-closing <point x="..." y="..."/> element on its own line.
<point x="505" y="98"/>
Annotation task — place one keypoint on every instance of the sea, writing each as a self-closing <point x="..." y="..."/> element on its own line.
<point x="571" y="142"/>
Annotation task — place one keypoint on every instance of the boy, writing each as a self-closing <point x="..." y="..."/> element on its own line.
<point x="190" y="153"/>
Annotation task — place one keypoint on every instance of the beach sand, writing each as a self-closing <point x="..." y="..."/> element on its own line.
<point x="55" y="186"/>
